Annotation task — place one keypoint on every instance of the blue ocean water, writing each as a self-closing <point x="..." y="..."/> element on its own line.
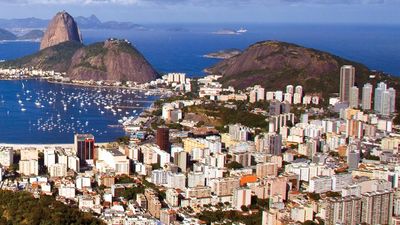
<point x="178" y="48"/>
<point x="37" y="112"/>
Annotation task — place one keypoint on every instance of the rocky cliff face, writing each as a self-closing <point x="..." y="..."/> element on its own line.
<point x="112" y="60"/>
<point x="62" y="28"/>
<point x="274" y="64"/>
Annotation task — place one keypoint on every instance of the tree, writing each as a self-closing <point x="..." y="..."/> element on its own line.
<point x="123" y="180"/>
<point x="157" y="112"/>
<point x="314" y="196"/>
<point x="14" y="167"/>
<point x="234" y="165"/>
<point x="123" y="140"/>
<point x="396" y="120"/>
<point x="132" y="192"/>
<point x="333" y="194"/>
<point x="23" y="208"/>
<point x="155" y="166"/>
<point x="263" y="203"/>
<point x="309" y="222"/>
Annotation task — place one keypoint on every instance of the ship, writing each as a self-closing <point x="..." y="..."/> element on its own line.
<point x="241" y="30"/>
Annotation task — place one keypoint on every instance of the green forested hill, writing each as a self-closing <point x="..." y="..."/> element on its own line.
<point x="18" y="208"/>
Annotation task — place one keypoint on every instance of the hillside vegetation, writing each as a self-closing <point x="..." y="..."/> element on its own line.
<point x="275" y="64"/>
<point x="56" y="58"/>
<point x="20" y="208"/>
<point x="112" y="60"/>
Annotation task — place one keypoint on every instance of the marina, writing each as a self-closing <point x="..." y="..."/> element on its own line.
<point x="43" y="112"/>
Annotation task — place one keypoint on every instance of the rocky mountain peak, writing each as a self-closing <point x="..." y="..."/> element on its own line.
<point x="112" y="60"/>
<point x="62" y="28"/>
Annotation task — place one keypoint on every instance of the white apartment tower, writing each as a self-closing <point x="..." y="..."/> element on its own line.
<point x="384" y="99"/>
<point x="367" y="96"/>
<point x="299" y="90"/>
<point x="260" y="94"/>
<point x="290" y="89"/>
<point x="353" y="101"/>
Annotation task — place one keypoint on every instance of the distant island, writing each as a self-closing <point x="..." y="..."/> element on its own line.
<point x="6" y="35"/>
<point x="91" y="22"/>
<point x="230" y="31"/>
<point x="223" y="54"/>
<point x="32" y="35"/>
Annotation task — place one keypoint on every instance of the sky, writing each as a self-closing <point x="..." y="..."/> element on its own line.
<point x="213" y="11"/>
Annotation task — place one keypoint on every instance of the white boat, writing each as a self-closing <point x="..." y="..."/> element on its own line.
<point x="23" y="109"/>
<point x="241" y="30"/>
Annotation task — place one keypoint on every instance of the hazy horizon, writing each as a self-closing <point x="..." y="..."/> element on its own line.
<point x="212" y="11"/>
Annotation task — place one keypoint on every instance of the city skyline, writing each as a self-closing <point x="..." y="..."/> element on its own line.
<point x="280" y="132"/>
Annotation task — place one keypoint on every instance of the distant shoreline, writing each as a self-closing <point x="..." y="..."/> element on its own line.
<point x="16" y="41"/>
<point x="93" y="86"/>
<point x="74" y="84"/>
<point x="42" y="146"/>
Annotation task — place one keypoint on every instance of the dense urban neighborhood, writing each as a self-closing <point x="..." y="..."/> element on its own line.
<point x="209" y="154"/>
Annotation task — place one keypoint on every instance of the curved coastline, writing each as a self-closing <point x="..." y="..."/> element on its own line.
<point x="77" y="84"/>
<point x="108" y="129"/>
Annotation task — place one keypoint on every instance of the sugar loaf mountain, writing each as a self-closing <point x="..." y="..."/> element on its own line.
<point x="62" y="50"/>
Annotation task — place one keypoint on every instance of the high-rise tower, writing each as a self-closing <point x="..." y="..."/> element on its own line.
<point x="367" y="96"/>
<point x="347" y="78"/>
